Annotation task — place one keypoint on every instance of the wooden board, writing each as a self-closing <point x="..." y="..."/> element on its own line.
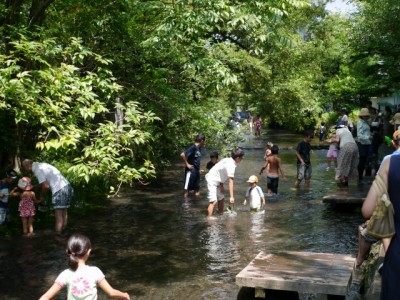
<point x="304" y="272"/>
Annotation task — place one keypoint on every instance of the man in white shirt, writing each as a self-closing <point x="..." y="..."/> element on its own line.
<point x="223" y="171"/>
<point x="50" y="177"/>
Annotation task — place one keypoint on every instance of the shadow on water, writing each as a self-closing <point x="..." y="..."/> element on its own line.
<point x="153" y="244"/>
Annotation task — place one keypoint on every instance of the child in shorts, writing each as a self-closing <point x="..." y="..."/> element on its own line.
<point x="273" y="164"/>
<point x="303" y="151"/>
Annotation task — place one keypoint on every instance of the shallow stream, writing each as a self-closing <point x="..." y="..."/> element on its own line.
<point x="153" y="244"/>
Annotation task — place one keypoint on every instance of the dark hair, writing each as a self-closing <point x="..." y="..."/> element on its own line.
<point x="214" y="154"/>
<point x="11" y="173"/>
<point x="200" y="137"/>
<point x="238" y="152"/>
<point x="274" y="149"/>
<point x="77" y="247"/>
<point x="309" y="133"/>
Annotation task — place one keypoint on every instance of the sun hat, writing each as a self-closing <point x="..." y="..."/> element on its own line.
<point x="396" y="135"/>
<point x="25" y="184"/>
<point x="364" y="112"/>
<point x="396" y="119"/>
<point x="12" y="174"/>
<point x="253" y="179"/>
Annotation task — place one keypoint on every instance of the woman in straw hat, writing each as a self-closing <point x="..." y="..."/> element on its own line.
<point x="364" y="141"/>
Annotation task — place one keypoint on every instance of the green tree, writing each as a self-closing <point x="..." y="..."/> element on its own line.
<point x="62" y="106"/>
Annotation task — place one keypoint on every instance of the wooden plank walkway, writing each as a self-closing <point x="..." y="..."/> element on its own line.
<point x="304" y="272"/>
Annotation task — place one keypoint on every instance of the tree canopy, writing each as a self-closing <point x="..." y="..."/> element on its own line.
<point x="113" y="90"/>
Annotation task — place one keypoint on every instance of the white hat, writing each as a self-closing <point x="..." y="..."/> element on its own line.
<point x="253" y="179"/>
<point x="25" y="184"/>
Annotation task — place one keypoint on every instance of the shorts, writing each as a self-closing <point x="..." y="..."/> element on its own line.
<point x="273" y="183"/>
<point x="304" y="171"/>
<point x="4" y="215"/>
<point x="63" y="197"/>
<point x="192" y="179"/>
<point x="331" y="154"/>
<point x="214" y="193"/>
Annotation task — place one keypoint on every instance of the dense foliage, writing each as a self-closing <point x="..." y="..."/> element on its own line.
<point x="111" y="90"/>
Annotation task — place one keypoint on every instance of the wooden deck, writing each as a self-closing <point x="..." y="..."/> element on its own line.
<point x="304" y="272"/>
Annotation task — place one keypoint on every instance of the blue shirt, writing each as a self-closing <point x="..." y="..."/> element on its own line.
<point x="193" y="156"/>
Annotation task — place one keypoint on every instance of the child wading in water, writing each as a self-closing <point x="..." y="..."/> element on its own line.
<point x="26" y="205"/>
<point x="304" y="169"/>
<point x="80" y="279"/>
<point x="273" y="164"/>
<point x="5" y="183"/>
<point x="255" y="194"/>
<point x="332" y="152"/>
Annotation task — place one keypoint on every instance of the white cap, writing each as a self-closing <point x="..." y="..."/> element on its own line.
<point x="253" y="179"/>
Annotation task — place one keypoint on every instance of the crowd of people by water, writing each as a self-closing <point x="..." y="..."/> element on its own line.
<point x="353" y="152"/>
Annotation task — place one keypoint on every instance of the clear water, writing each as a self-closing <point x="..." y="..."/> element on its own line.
<point x="153" y="244"/>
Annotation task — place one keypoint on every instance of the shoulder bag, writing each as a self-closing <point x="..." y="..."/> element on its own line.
<point x="381" y="224"/>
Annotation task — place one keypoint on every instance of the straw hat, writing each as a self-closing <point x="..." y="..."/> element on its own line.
<point x="253" y="179"/>
<point x="396" y="135"/>
<point x="396" y="119"/>
<point x="364" y="112"/>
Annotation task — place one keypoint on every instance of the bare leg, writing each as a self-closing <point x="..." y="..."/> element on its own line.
<point x="197" y="193"/>
<point x="29" y="225"/>
<point x="363" y="248"/>
<point x="307" y="182"/>
<point x="297" y="183"/>
<point x="221" y="206"/>
<point x="65" y="218"/>
<point x="61" y="219"/>
<point x="24" y="225"/>
<point x="386" y="243"/>
<point x="211" y="208"/>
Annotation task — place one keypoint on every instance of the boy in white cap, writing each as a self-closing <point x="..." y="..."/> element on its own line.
<point x="254" y="194"/>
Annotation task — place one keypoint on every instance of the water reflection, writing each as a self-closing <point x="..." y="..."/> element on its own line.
<point x="156" y="246"/>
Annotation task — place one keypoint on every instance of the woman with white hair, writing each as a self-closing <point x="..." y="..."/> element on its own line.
<point x="348" y="155"/>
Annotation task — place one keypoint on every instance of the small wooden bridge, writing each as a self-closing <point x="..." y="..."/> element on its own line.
<point x="324" y="274"/>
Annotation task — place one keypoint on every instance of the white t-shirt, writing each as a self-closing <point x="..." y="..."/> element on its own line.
<point x="46" y="172"/>
<point x="82" y="283"/>
<point x="344" y="136"/>
<point x="221" y="171"/>
<point x="255" y="195"/>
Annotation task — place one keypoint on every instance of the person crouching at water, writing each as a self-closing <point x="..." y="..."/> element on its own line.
<point x="223" y="171"/>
